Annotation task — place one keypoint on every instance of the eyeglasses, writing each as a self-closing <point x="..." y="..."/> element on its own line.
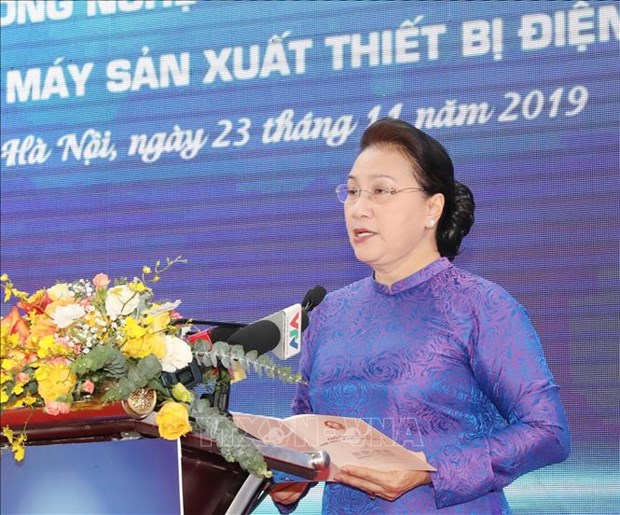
<point x="351" y="194"/>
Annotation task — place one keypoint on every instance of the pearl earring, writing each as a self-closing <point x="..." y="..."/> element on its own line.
<point x="430" y="224"/>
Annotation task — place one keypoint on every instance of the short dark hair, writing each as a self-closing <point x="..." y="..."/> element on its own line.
<point x="432" y="167"/>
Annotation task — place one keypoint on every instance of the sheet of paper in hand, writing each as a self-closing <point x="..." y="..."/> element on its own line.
<point x="348" y="441"/>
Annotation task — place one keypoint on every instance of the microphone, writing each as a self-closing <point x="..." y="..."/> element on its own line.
<point x="293" y="320"/>
<point x="220" y="331"/>
<point x="313" y="298"/>
<point x="261" y="336"/>
<point x="279" y="332"/>
<point x="193" y="321"/>
<point x="290" y="324"/>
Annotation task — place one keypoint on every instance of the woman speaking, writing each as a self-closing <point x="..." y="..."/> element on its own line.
<point x="443" y="361"/>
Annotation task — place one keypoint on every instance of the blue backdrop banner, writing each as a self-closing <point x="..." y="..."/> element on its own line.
<point x="133" y="130"/>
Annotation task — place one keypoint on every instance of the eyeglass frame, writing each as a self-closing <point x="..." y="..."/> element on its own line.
<point x="372" y="195"/>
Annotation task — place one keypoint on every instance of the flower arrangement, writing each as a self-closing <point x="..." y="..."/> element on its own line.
<point x="89" y="339"/>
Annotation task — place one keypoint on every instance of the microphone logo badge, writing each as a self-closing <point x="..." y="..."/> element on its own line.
<point x="289" y="322"/>
<point x="294" y="330"/>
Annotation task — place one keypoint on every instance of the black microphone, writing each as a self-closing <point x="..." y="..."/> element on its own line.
<point x="313" y="298"/>
<point x="266" y="334"/>
<point x="261" y="336"/>
<point x="220" y="332"/>
<point x="193" y="321"/>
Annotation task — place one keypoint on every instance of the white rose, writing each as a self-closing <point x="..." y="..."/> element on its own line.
<point x="121" y="301"/>
<point x="64" y="316"/>
<point x="59" y="291"/>
<point x="178" y="354"/>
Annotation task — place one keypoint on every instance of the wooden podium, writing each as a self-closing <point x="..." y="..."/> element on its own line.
<point x="210" y="484"/>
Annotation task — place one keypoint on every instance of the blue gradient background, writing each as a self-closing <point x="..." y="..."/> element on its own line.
<point x="129" y="476"/>
<point x="260" y="225"/>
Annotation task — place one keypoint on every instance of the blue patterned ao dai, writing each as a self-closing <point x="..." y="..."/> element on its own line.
<point x="444" y="362"/>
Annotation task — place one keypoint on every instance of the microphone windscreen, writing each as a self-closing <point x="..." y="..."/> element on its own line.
<point x="222" y="334"/>
<point x="261" y="336"/>
<point x="305" y="320"/>
<point x="313" y="298"/>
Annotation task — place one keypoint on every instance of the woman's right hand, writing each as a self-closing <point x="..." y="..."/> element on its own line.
<point x="288" y="493"/>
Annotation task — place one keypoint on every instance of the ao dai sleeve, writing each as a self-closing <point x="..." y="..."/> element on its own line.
<point x="509" y="366"/>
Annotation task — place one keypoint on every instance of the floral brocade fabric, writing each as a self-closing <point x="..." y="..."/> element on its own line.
<point x="446" y="363"/>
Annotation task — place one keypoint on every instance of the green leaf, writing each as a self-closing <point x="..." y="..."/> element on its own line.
<point x="99" y="358"/>
<point x="232" y="444"/>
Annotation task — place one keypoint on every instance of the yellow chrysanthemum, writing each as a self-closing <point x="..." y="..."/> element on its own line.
<point x="142" y="347"/>
<point x="4" y="397"/>
<point x="133" y="329"/>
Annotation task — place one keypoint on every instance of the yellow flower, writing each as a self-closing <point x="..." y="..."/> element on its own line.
<point x="141" y="341"/>
<point x="146" y="269"/>
<point x="180" y="393"/>
<point x="158" y="322"/>
<point x="17" y="444"/>
<point x="49" y="348"/>
<point x="28" y="399"/>
<point x="18" y="450"/>
<point x="137" y="286"/>
<point x="3" y="396"/>
<point x="18" y="389"/>
<point x="9" y="364"/>
<point x="133" y="329"/>
<point x="9" y="290"/>
<point x="173" y="420"/>
<point x="40" y="327"/>
<point x="142" y="347"/>
<point x="55" y="380"/>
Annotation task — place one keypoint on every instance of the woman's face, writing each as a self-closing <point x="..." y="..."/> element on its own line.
<point x="394" y="234"/>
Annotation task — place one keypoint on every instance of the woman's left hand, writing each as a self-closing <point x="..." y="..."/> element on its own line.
<point x="388" y="485"/>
